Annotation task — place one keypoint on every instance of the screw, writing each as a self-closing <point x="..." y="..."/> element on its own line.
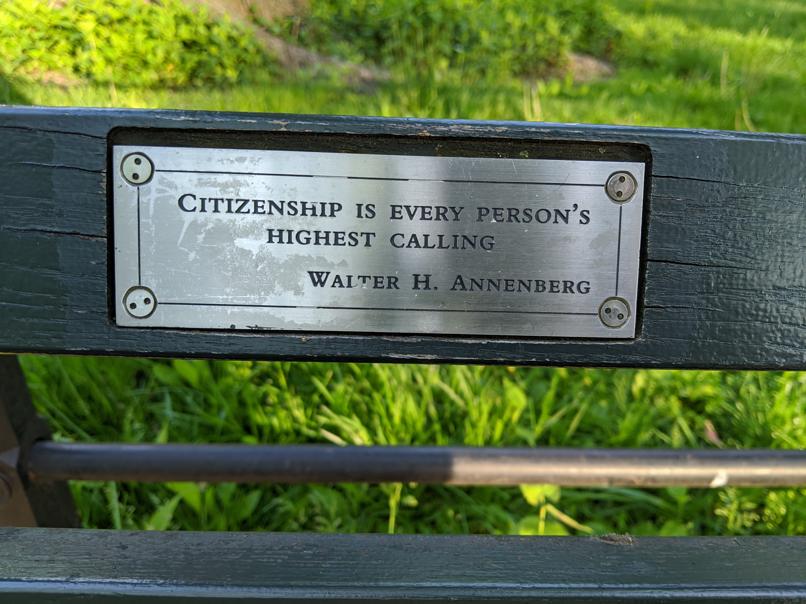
<point x="137" y="168"/>
<point x="5" y="490"/>
<point x="614" y="312"/>
<point x="621" y="186"/>
<point x="140" y="302"/>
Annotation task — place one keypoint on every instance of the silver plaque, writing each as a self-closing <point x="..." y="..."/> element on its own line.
<point x="345" y="242"/>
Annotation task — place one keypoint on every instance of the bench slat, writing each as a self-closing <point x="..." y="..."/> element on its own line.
<point x="725" y="258"/>
<point x="61" y="565"/>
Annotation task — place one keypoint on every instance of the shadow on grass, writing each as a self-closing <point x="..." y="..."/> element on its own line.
<point x="10" y="93"/>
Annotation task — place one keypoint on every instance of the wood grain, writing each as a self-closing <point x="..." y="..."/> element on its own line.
<point x="725" y="251"/>
<point x="55" y="565"/>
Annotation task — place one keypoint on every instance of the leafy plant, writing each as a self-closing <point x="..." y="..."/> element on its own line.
<point x="493" y="38"/>
<point x="549" y="520"/>
<point x="124" y="42"/>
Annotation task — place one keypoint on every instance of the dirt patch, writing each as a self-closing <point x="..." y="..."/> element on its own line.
<point x="290" y="56"/>
<point x="587" y="68"/>
<point x="615" y="539"/>
<point x="242" y="10"/>
<point x="57" y="78"/>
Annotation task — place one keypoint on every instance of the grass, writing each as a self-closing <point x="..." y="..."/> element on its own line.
<point x="719" y="64"/>
<point x="182" y="401"/>
<point x="743" y="68"/>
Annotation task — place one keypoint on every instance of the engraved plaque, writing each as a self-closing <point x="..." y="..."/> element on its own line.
<point x="344" y="242"/>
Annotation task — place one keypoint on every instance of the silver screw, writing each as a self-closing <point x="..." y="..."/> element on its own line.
<point x="140" y="302"/>
<point x="621" y="186"/>
<point x="614" y="312"/>
<point x="137" y="168"/>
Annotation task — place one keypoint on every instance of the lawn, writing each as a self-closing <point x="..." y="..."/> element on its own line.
<point x="699" y="64"/>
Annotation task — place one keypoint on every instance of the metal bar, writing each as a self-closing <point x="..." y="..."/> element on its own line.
<point x="445" y="465"/>
<point x="15" y="509"/>
<point x="23" y="503"/>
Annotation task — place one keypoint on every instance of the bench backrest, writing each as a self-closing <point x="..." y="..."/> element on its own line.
<point x="721" y="279"/>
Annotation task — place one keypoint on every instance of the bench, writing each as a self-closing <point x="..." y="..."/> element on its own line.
<point x="706" y="231"/>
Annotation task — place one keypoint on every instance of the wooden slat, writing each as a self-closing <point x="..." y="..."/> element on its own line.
<point x="725" y="258"/>
<point x="56" y="565"/>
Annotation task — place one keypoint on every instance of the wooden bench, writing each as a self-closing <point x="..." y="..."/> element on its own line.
<point x="720" y="282"/>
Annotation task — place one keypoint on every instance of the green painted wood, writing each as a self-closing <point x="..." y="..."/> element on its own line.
<point x="724" y="286"/>
<point x="725" y="257"/>
<point x="51" y="565"/>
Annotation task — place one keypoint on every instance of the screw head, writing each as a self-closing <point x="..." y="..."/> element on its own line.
<point x="137" y="169"/>
<point x="621" y="186"/>
<point x="140" y="302"/>
<point x="614" y="312"/>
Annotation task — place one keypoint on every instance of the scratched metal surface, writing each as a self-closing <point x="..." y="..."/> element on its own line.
<point x="723" y="264"/>
<point x="547" y="247"/>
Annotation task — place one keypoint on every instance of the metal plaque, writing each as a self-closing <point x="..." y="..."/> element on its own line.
<point x="347" y="242"/>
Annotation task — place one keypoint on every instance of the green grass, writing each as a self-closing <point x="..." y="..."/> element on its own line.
<point x="744" y="69"/>
<point x="199" y="401"/>
<point x="720" y="64"/>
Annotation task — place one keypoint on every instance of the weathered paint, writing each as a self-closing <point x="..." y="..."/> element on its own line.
<point x="724" y="278"/>
<point x="121" y="566"/>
